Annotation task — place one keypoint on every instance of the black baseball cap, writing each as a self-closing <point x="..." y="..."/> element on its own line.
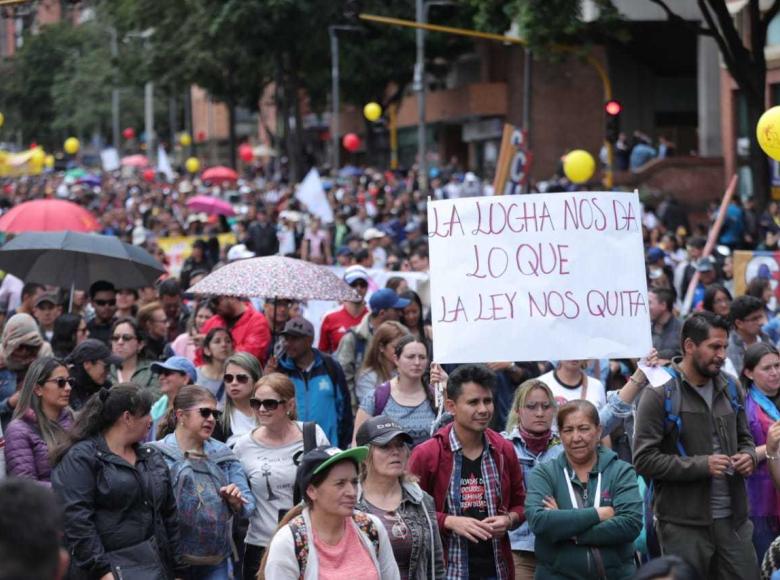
<point x="298" y="327"/>
<point x="320" y="458"/>
<point x="380" y="430"/>
<point x="93" y="349"/>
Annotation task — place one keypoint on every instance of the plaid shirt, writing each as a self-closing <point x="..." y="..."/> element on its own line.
<point x="458" y="552"/>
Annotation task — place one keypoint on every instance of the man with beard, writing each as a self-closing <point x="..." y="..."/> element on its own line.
<point x="693" y="441"/>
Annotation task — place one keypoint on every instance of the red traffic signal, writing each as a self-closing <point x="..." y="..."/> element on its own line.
<point x="613" y="107"/>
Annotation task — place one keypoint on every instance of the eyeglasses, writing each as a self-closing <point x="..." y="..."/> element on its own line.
<point x="123" y="337"/>
<point x="105" y="302"/>
<point x="207" y="412"/>
<point x="536" y="406"/>
<point x="62" y="381"/>
<point x="239" y="378"/>
<point x="269" y="404"/>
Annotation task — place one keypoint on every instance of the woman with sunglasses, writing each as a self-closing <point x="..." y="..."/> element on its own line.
<point x="269" y="455"/>
<point x="217" y="348"/>
<point x="529" y="428"/>
<point x="242" y="371"/>
<point x="120" y="511"/>
<point x="127" y="343"/>
<point x="41" y="420"/>
<point x="392" y="495"/>
<point x="208" y="481"/>
<point x="20" y="345"/>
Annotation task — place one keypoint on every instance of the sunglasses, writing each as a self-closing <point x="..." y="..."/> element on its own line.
<point x="62" y="381"/>
<point x="239" y="378"/>
<point x="207" y="412"/>
<point x="269" y="404"/>
<point x="123" y="337"/>
<point x="105" y="302"/>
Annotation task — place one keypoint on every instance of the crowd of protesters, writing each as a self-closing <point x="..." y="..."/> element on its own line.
<point x="188" y="436"/>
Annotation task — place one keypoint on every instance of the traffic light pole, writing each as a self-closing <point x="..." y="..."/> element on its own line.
<point x="505" y="39"/>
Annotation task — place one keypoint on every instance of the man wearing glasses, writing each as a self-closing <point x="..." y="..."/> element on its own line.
<point x="102" y="296"/>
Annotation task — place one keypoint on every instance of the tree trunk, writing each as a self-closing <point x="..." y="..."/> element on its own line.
<point x="759" y="164"/>
<point x="232" y="141"/>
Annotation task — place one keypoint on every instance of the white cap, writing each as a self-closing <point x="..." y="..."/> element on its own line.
<point x="239" y="252"/>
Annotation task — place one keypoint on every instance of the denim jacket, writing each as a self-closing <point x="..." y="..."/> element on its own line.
<point x="522" y="538"/>
<point x="7" y="388"/>
<point x="417" y="509"/>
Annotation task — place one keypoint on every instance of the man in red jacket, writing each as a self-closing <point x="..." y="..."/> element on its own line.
<point x="474" y="477"/>
<point x="249" y="328"/>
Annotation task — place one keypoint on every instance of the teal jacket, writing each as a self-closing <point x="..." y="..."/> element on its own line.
<point x="566" y="538"/>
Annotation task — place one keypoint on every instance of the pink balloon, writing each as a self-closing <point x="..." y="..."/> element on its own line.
<point x="351" y="142"/>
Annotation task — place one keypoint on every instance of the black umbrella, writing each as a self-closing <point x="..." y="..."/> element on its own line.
<point x="75" y="260"/>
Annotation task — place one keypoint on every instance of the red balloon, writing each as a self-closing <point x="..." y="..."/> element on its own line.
<point x="245" y="153"/>
<point x="33" y="144"/>
<point x="201" y="135"/>
<point x="128" y="133"/>
<point x="351" y="142"/>
<point x="148" y="175"/>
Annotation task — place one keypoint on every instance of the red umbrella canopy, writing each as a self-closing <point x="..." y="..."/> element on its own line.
<point x="48" y="215"/>
<point x="219" y="173"/>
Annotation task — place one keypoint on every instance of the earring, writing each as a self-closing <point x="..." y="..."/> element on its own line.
<point x="289" y="415"/>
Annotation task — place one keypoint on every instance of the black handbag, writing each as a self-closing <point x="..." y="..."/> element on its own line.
<point x="138" y="562"/>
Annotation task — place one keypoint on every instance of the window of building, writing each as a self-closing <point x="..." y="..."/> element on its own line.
<point x="773" y="32"/>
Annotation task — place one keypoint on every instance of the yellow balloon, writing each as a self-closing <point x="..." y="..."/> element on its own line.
<point x="72" y="145"/>
<point x="192" y="164"/>
<point x="579" y="166"/>
<point x="185" y="140"/>
<point x="372" y="111"/>
<point x="48" y="161"/>
<point x="2" y="119"/>
<point x="38" y="156"/>
<point x="768" y="132"/>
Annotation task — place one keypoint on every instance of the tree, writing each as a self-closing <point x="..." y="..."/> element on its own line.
<point x="549" y="22"/>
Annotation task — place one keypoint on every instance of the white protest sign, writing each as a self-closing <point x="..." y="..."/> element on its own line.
<point x="312" y="194"/>
<point x="538" y="277"/>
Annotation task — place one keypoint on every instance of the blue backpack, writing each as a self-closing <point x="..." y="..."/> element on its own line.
<point x="672" y="405"/>
<point x="205" y="519"/>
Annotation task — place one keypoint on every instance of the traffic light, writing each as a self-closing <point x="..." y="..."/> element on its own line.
<point x="613" y="109"/>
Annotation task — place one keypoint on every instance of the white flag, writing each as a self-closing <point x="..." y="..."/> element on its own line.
<point x="312" y="195"/>
<point x="163" y="164"/>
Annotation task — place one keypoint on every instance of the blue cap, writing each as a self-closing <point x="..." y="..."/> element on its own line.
<point x="384" y="299"/>
<point x="655" y="254"/>
<point x="177" y="364"/>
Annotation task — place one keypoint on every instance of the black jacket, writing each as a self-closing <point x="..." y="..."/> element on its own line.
<point x="110" y="504"/>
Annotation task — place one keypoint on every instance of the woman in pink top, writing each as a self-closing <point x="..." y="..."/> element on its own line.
<point x="324" y="537"/>
<point x="316" y="243"/>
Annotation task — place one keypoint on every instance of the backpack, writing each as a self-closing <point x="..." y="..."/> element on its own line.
<point x="205" y="519"/>
<point x="672" y="419"/>
<point x="309" y="442"/>
<point x="301" y="537"/>
<point x="382" y="396"/>
<point x="360" y="347"/>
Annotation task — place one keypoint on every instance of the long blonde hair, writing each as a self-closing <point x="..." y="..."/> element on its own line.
<point x="280" y="384"/>
<point x="521" y="394"/>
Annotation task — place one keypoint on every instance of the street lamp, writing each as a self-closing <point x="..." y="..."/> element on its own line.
<point x="334" y="59"/>
<point x="421" y="15"/>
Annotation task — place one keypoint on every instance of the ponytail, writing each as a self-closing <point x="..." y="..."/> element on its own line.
<point x="102" y="410"/>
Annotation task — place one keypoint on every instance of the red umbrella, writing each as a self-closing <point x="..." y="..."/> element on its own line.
<point x="210" y="205"/>
<point x="219" y="173"/>
<point x="135" y="161"/>
<point x="48" y="215"/>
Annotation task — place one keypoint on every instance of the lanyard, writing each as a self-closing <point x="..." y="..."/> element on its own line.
<point x="575" y="503"/>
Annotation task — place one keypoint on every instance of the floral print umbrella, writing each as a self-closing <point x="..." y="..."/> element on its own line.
<point x="275" y="277"/>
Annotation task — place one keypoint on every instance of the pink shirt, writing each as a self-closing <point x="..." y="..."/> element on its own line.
<point x="347" y="559"/>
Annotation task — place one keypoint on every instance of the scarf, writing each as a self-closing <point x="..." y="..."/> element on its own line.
<point x="765" y="403"/>
<point x="536" y="443"/>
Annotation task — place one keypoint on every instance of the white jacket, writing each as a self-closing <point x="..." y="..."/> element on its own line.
<point x="283" y="565"/>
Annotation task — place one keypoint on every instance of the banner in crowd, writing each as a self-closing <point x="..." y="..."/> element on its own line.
<point x="749" y="265"/>
<point x="538" y="277"/>
<point x="178" y="248"/>
<point x="514" y="162"/>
